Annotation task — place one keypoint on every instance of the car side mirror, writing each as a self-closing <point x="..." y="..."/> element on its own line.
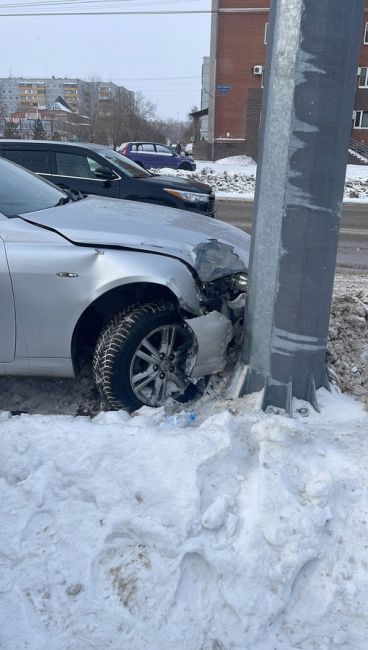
<point x="105" y="173"/>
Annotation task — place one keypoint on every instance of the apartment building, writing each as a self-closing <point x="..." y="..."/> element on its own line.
<point x="237" y="65"/>
<point x="27" y="94"/>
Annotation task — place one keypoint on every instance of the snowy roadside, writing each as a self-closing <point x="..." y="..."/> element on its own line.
<point x="234" y="178"/>
<point x="240" y="531"/>
<point x="244" y="531"/>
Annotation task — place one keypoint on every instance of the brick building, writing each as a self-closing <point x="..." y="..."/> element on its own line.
<point x="238" y="58"/>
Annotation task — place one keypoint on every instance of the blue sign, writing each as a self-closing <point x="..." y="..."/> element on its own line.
<point x="224" y="89"/>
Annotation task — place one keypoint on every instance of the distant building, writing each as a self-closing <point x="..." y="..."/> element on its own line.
<point x="27" y="94"/>
<point x="59" y="121"/>
<point x="237" y="65"/>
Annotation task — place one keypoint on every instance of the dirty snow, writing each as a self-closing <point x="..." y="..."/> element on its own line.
<point x="234" y="178"/>
<point x="244" y="531"/>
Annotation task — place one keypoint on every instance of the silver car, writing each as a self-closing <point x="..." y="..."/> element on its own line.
<point x="152" y="297"/>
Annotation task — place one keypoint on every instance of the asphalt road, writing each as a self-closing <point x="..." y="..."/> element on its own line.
<point x="352" y="253"/>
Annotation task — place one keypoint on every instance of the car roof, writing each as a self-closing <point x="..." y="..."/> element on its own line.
<point x="147" y="142"/>
<point x="49" y="143"/>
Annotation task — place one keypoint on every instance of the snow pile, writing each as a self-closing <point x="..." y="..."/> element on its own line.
<point x="234" y="162"/>
<point x="245" y="532"/>
<point x="235" y="177"/>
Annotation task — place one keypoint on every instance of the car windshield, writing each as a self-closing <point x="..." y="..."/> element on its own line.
<point x="125" y="165"/>
<point x="21" y="191"/>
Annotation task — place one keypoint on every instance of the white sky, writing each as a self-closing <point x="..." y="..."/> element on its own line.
<point x="159" y="55"/>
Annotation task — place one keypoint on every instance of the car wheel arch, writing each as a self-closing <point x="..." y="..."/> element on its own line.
<point x="105" y="307"/>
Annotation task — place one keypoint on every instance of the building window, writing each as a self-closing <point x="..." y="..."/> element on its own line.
<point x="361" y="120"/>
<point x="365" y="41"/>
<point x="266" y="34"/>
<point x="363" y="78"/>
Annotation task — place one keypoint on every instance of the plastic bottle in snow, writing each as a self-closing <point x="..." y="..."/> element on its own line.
<point x="183" y="419"/>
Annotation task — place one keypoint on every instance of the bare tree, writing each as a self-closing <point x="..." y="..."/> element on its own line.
<point x="11" y="130"/>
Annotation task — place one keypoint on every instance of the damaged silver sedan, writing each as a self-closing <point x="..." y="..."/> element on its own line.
<point x="150" y="296"/>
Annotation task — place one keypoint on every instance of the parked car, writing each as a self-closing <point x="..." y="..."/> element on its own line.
<point x="188" y="149"/>
<point x="156" y="156"/>
<point x="153" y="308"/>
<point x="95" y="169"/>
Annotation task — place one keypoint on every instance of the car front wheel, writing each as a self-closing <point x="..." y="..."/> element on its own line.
<point x="186" y="167"/>
<point x="140" y="358"/>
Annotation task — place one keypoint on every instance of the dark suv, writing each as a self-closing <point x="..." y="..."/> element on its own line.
<point x="95" y="169"/>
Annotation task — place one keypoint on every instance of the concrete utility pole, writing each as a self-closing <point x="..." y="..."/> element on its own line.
<point x="306" y="123"/>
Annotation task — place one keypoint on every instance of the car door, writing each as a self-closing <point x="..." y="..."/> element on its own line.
<point x="165" y="157"/>
<point x="77" y="171"/>
<point x="147" y="155"/>
<point x="7" y="314"/>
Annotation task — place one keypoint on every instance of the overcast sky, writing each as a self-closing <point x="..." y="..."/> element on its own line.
<point x="159" y="55"/>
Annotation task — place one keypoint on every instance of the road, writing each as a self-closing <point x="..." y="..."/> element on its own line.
<point x="352" y="253"/>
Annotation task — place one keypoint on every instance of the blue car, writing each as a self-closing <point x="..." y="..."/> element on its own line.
<point x="151" y="155"/>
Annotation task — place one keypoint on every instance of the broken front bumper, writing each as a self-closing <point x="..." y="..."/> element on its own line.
<point x="213" y="333"/>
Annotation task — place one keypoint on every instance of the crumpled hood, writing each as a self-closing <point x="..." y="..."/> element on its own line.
<point x="214" y="249"/>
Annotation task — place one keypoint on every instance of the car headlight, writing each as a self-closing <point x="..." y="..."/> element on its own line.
<point x="239" y="282"/>
<point x="226" y="288"/>
<point x="189" y="197"/>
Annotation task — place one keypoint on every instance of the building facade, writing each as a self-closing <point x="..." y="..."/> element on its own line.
<point x="237" y="64"/>
<point x="21" y="94"/>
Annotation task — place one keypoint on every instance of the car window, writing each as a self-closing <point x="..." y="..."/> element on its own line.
<point x="22" y="192"/>
<point x="161" y="149"/>
<point x="75" y="165"/>
<point x="34" y="159"/>
<point x="146" y="146"/>
<point x="128" y="167"/>
<point x="134" y="147"/>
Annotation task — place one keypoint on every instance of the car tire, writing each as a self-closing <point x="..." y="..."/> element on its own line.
<point x="140" y="358"/>
<point x="186" y="167"/>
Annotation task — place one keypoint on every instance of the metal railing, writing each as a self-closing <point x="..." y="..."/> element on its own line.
<point x="358" y="148"/>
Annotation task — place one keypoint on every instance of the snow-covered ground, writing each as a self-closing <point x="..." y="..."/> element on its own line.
<point x="229" y="529"/>
<point x="242" y="531"/>
<point x="234" y="178"/>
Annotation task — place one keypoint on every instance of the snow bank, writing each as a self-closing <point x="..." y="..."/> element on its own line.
<point x="234" y="178"/>
<point x="247" y="531"/>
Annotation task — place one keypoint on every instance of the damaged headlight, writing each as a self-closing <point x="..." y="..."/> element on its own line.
<point x="227" y="288"/>
<point x="239" y="281"/>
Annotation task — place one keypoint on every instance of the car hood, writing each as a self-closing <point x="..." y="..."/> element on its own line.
<point x="214" y="249"/>
<point x="177" y="183"/>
